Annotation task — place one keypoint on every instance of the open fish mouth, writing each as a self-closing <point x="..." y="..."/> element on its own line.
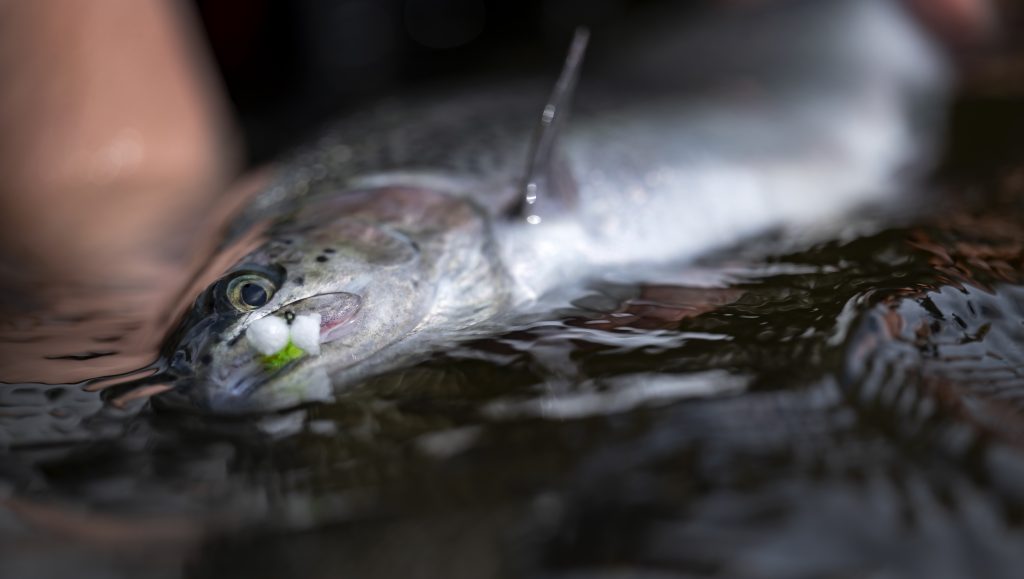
<point x="251" y="386"/>
<point x="271" y="359"/>
<point x="304" y="324"/>
<point x="253" y="392"/>
<point x="335" y="320"/>
<point x="287" y="336"/>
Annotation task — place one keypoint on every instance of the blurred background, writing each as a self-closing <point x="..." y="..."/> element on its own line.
<point x="116" y="164"/>
<point x="289" y="66"/>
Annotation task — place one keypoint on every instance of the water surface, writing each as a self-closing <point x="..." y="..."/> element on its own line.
<point x="848" y="408"/>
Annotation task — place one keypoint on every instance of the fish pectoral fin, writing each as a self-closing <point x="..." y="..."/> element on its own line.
<point x="547" y="174"/>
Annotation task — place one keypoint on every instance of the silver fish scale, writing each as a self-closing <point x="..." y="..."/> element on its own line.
<point x="475" y="141"/>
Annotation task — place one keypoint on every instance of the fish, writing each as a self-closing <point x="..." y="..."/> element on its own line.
<point x="432" y="218"/>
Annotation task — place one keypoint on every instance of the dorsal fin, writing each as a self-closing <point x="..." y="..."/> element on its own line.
<point x="539" y="161"/>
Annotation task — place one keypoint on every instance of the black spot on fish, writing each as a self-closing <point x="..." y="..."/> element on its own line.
<point x="286" y="241"/>
<point x="415" y="246"/>
<point x="329" y="250"/>
<point x="321" y="258"/>
<point x="299" y="280"/>
<point x="82" y="355"/>
<point x="206" y="359"/>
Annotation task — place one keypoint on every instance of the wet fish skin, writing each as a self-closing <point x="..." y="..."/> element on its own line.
<point x="414" y="258"/>
<point x="409" y="197"/>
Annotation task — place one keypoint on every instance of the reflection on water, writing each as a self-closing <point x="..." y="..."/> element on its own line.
<point x="851" y="409"/>
<point x="74" y="329"/>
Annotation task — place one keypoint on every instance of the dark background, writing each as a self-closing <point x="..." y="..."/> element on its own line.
<point x="290" y="65"/>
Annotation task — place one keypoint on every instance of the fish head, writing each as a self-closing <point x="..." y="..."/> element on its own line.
<point x="259" y="338"/>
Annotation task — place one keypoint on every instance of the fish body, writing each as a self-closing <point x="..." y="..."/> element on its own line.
<point x="394" y="227"/>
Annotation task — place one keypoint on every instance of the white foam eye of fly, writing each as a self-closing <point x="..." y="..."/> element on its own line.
<point x="268" y="335"/>
<point x="306" y="333"/>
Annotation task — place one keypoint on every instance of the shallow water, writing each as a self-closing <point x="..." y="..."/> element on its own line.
<point x="848" y="409"/>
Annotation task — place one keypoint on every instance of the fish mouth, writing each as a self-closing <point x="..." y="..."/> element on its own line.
<point x="237" y="386"/>
<point x="336" y="309"/>
<point x="253" y="393"/>
<point x="244" y="389"/>
<point x="333" y="324"/>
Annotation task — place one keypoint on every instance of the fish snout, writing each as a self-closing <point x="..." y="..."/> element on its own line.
<point x="232" y="377"/>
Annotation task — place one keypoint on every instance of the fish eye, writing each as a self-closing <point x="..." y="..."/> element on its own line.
<point x="249" y="292"/>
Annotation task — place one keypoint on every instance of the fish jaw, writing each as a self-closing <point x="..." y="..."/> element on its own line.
<point x="306" y="323"/>
<point x="249" y="385"/>
<point x="241" y="378"/>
